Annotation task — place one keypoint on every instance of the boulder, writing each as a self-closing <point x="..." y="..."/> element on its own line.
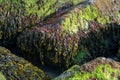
<point x="44" y="9"/>
<point x="13" y="21"/>
<point x="16" y="68"/>
<point x="48" y="46"/>
<point x="67" y="33"/>
<point x="102" y="41"/>
<point x="97" y="69"/>
<point x="57" y="40"/>
<point x="20" y="15"/>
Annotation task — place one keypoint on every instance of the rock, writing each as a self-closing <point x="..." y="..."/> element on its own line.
<point x="48" y="46"/>
<point x="61" y="36"/>
<point x="13" y="22"/>
<point x="57" y="40"/>
<point x="20" y="15"/>
<point x="17" y="68"/>
<point x="100" y="68"/>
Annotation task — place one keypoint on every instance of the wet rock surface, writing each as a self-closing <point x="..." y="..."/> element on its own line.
<point x="89" y="67"/>
<point x="50" y="45"/>
<point x="64" y="35"/>
<point x="17" y="68"/>
<point x="57" y="33"/>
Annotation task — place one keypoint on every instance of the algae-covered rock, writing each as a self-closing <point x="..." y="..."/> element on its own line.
<point x="16" y="68"/>
<point x="49" y="45"/>
<point x="57" y="40"/>
<point x="102" y="42"/>
<point x="12" y="21"/>
<point x="45" y="8"/>
<point x="69" y="32"/>
<point x="20" y="15"/>
<point x="98" y="69"/>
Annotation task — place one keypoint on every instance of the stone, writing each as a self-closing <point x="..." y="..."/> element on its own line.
<point x="94" y="67"/>
<point x="16" y="68"/>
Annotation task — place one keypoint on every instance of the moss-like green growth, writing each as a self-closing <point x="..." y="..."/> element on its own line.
<point x="102" y="72"/>
<point x="79" y="18"/>
<point x="44" y="8"/>
<point x="54" y="42"/>
<point x="14" y="67"/>
<point x="100" y="69"/>
<point x="2" y="77"/>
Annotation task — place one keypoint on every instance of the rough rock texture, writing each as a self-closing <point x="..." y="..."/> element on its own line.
<point x="48" y="45"/>
<point x="101" y="42"/>
<point x="61" y="37"/>
<point x="16" y="68"/>
<point x="89" y="67"/>
<point x="13" y="21"/>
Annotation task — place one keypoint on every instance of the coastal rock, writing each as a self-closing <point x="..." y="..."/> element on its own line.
<point x="68" y="33"/>
<point x="17" y="68"/>
<point x="93" y="70"/>
<point x="48" y="46"/>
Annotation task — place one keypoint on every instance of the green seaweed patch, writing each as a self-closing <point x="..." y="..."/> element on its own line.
<point x="45" y="8"/>
<point x="2" y="77"/>
<point x="118" y="14"/>
<point x="79" y="18"/>
<point x="34" y="7"/>
<point x="101" y="72"/>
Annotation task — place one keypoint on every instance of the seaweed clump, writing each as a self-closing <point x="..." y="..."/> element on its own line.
<point x="14" y="67"/>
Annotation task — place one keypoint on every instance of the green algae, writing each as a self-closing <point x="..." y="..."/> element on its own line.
<point x="45" y="8"/>
<point x="79" y="18"/>
<point x="102" y="72"/>
<point x="2" y="77"/>
<point x="100" y="68"/>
